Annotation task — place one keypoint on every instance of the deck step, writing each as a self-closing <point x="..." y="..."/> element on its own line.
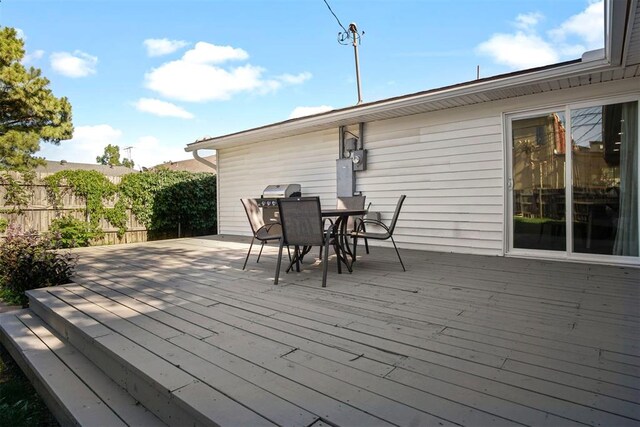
<point x="76" y="390"/>
<point x="172" y="394"/>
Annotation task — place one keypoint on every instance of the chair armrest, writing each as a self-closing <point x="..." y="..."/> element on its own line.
<point x="270" y="225"/>
<point x="363" y="222"/>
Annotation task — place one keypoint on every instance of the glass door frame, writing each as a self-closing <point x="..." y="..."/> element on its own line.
<point x="568" y="253"/>
<point x="509" y="223"/>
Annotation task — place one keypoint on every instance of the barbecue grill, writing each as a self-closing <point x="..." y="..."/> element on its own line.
<point x="269" y="200"/>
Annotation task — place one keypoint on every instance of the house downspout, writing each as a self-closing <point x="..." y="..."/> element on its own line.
<point x="204" y="161"/>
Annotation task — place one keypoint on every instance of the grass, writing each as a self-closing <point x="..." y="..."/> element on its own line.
<point x="20" y="404"/>
<point x="12" y="298"/>
<point x="533" y="220"/>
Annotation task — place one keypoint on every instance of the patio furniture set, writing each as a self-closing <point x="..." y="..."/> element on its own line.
<point x="302" y="223"/>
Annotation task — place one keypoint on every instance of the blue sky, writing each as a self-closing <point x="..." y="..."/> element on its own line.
<point x="157" y="75"/>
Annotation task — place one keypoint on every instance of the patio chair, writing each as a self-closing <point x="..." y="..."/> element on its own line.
<point x="261" y="231"/>
<point x="355" y="202"/>
<point x="302" y="227"/>
<point x="360" y="233"/>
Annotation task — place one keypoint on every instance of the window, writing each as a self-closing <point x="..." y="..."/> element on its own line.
<point x="591" y="208"/>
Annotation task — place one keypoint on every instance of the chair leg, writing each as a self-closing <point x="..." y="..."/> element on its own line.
<point x="355" y="248"/>
<point x="261" y="248"/>
<point x="275" y="280"/>
<point x="248" y="253"/>
<point x="325" y="264"/>
<point x="396" y="248"/>
<point x="366" y="241"/>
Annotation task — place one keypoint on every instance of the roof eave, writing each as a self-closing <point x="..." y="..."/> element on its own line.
<point x="353" y="113"/>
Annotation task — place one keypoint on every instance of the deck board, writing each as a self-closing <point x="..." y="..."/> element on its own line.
<point x="457" y="339"/>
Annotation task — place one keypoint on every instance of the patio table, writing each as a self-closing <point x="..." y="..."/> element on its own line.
<point x="340" y="228"/>
<point x="342" y="234"/>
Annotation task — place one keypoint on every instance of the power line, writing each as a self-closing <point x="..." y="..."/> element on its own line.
<point x="350" y="36"/>
<point x="334" y="15"/>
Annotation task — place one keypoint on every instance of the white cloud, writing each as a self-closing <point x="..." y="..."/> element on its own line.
<point x="295" y="79"/>
<point x="95" y="138"/>
<point x="587" y="26"/>
<point x="185" y="81"/>
<point x="31" y="57"/>
<point x="147" y="143"/>
<point x="528" y="21"/>
<point x="207" y="53"/>
<point x="87" y="143"/>
<point x="528" y="48"/>
<point x="308" y="111"/>
<point x="20" y="33"/>
<point x="159" y="47"/>
<point x="519" y="50"/>
<point x="76" y="64"/>
<point x="200" y="75"/>
<point x="162" y="108"/>
<point x="149" y="151"/>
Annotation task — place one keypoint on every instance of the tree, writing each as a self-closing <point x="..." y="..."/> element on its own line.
<point x="29" y="112"/>
<point x="111" y="157"/>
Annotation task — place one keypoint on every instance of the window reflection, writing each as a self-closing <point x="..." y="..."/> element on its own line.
<point x="605" y="174"/>
<point x="538" y="166"/>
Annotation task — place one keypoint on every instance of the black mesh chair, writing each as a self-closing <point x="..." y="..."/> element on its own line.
<point x="360" y="233"/>
<point x="302" y="227"/>
<point x="261" y="231"/>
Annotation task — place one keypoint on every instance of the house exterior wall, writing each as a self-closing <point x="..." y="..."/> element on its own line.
<point x="450" y="164"/>
<point x="308" y="160"/>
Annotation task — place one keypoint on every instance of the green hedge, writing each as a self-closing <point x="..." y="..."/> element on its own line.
<point x="162" y="200"/>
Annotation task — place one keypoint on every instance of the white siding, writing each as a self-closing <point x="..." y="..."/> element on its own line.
<point x="308" y="160"/>
<point x="449" y="163"/>
<point x="450" y="167"/>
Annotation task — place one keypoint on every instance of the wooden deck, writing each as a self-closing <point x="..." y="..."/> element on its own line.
<point x="455" y="340"/>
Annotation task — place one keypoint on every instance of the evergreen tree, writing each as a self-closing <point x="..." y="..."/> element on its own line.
<point x="29" y="112"/>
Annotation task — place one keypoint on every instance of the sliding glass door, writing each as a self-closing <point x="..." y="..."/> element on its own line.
<point x="573" y="184"/>
<point x="605" y="179"/>
<point x="538" y="182"/>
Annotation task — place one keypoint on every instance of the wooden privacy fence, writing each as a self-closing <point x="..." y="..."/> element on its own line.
<point x="38" y="213"/>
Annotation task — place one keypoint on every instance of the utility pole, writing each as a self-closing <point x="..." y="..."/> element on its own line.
<point x="356" y="38"/>
<point x="352" y="35"/>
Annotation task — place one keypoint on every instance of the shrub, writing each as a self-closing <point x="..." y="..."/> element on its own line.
<point x="30" y="261"/>
<point x="163" y="199"/>
<point x="72" y="233"/>
<point x="3" y="224"/>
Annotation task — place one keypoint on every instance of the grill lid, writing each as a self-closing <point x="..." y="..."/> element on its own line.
<point x="282" y="190"/>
